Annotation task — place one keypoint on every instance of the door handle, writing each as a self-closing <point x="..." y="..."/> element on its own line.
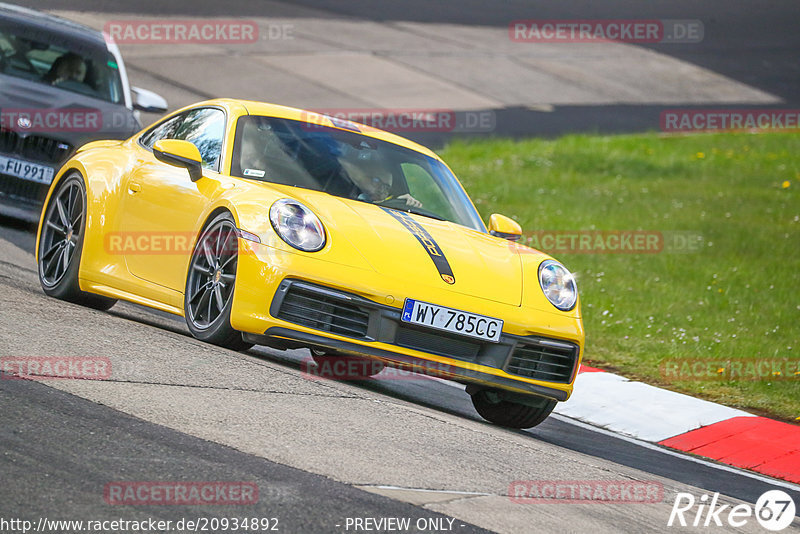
<point x="134" y="187"/>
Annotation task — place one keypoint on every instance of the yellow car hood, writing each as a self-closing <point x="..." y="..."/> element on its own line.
<point x="411" y="247"/>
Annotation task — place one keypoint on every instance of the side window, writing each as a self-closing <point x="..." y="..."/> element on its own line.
<point x="205" y="128"/>
<point x="165" y="130"/>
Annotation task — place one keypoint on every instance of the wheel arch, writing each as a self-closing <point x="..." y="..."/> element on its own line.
<point x="215" y="212"/>
<point x="102" y="170"/>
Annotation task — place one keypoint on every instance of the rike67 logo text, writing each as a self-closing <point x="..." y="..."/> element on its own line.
<point x="774" y="510"/>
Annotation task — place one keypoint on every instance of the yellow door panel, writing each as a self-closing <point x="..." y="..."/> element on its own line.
<point x="159" y="218"/>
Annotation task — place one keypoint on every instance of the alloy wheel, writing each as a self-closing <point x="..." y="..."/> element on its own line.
<point x="61" y="234"/>
<point x="212" y="274"/>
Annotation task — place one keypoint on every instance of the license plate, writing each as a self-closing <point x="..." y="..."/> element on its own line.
<point x="453" y="321"/>
<point x="26" y="170"/>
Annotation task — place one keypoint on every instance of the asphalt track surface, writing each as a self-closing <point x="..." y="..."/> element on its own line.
<point x="753" y="43"/>
<point x="62" y="442"/>
<point x="60" y="449"/>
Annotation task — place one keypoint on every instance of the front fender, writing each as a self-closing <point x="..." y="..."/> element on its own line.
<point x="250" y="203"/>
<point x="106" y="143"/>
<point x="102" y="167"/>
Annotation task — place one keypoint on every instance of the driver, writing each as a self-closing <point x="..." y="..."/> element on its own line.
<point x="66" y="67"/>
<point x="372" y="176"/>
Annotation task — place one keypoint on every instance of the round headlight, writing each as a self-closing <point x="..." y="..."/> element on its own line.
<point x="558" y="285"/>
<point x="297" y="225"/>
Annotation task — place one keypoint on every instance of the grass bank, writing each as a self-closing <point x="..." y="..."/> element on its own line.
<point x="724" y="284"/>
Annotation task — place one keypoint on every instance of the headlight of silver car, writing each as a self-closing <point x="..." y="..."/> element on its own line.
<point x="297" y="225"/>
<point x="558" y="285"/>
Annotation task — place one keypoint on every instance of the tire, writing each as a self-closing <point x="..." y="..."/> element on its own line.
<point x="61" y="245"/>
<point x="491" y="407"/>
<point x="210" y="281"/>
<point x="337" y="366"/>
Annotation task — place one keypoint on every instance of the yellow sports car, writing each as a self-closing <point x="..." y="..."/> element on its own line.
<point x="263" y="224"/>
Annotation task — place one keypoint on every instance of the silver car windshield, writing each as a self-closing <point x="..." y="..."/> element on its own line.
<point x="347" y="164"/>
<point x="34" y="54"/>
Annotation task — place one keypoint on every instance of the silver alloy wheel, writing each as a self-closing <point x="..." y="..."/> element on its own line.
<point x="212" y="274"/>
<point x="61" y="234"/>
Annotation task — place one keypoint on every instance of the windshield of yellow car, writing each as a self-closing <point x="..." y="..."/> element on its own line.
<point x="347" y="164"/>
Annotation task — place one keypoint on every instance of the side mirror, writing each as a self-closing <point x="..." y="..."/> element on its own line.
<point x="180" y="154"/>
<point x="148" y="101"/>
<point x="505" y="227"/>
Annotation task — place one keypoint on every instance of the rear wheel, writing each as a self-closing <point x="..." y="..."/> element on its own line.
<point x="491" y="406"/>
<point x="209" y="285"/>
<point x="61" y="245"/>
<point x="344" y="366"/>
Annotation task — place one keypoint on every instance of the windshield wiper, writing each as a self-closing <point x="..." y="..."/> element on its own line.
<point x="417" y="211"/>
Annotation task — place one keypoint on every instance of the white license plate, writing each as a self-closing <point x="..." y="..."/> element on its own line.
<point x="26" y="170"/>
<point x="450" y="320"/>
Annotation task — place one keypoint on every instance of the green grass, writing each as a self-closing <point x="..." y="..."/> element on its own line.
<point x="735" y="297"/>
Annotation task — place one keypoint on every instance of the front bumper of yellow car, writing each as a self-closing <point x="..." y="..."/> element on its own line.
<point x="288" y="300"/>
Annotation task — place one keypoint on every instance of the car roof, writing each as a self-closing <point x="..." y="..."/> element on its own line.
<point x="52" y="24"/>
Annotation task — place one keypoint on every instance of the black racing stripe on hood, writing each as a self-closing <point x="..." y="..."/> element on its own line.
<point x="428" y="243"/>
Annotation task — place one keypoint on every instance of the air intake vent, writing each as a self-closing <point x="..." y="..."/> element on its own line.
<point x="320" y="309"/>
<point x="437" y="343"/>
<point x="36" y="148"/>
<point x="30" y="192"/>
<point x="543" y="359"/>
<point x="44" y="149"/>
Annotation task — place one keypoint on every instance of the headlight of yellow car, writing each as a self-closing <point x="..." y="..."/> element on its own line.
<point x="297" y="225"/>
<point x="558" y="285"/>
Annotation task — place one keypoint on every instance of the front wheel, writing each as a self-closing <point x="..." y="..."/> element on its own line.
<point x="494" y="409"/>
<point x="208" y="298"/>
<point x="61" y="245"/>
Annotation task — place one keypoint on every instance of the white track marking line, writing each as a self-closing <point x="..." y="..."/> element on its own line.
<point x="455" y="492"/>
